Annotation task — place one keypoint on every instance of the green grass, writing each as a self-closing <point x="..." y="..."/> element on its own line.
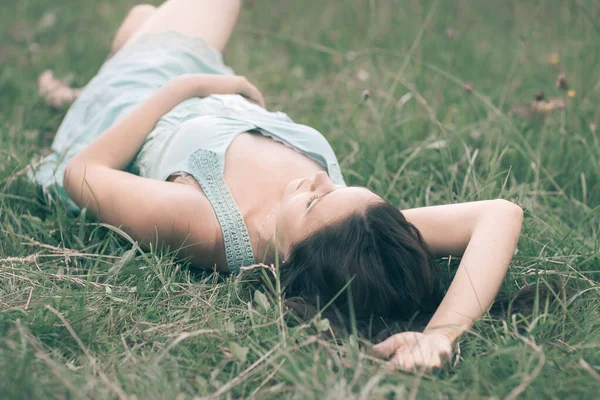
<point x="84" y="314"/>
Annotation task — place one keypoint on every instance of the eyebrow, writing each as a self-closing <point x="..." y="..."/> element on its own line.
<point x="316" y="201"/>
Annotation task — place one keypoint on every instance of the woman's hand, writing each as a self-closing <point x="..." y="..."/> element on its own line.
<point x="249" y="91"/>
<point x="203" y="85"/>
<point x="414" y="350"/>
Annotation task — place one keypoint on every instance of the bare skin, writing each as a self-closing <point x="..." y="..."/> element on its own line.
<point x="277" y="187"/>
<point x="58" y="93"/>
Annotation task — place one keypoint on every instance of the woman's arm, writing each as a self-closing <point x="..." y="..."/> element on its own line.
<point x="116" y="147"/>
<point x="149" y="210"/>
<point x="485" y="234"/>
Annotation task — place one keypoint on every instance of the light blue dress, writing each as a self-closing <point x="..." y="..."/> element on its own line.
<point x="192" y="138"/>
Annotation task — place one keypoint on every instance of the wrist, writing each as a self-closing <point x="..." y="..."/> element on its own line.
<point x="451" y="334"/>
<point x="202" y="85"/>
<point x="240" y="84"/>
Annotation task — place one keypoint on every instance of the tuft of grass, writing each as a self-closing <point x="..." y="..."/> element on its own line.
<point x="85" y="314"/>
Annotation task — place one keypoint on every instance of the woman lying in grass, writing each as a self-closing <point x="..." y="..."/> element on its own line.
<point x="167" y="143"/>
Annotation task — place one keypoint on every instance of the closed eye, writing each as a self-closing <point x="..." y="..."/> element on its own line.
<point x="311" y="200"/>
<point x="314" y="199"/>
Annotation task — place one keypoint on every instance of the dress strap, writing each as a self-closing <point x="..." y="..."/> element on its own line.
<point x="206" y="167"/>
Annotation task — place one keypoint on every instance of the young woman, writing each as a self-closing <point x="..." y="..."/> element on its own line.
<point x="167" y="143"/>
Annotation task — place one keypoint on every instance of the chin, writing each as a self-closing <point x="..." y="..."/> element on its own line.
<point x="293" y="186"/>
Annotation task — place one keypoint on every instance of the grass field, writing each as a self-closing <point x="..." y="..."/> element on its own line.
<point x="84" y="314"/>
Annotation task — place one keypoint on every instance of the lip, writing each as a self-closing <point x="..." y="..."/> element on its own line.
<point x="301" y="183"/>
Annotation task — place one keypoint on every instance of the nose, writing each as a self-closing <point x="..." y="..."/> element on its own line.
<point x="321" y="179"/>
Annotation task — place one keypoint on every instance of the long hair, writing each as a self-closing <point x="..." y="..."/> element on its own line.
<point x="372" y="264"/>
<point x="375" y="272"/>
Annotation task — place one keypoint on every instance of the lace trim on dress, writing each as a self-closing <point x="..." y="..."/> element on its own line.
<point x="205" y="167"/>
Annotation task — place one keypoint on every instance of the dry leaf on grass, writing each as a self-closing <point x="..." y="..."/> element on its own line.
<point x="538" y="106"/>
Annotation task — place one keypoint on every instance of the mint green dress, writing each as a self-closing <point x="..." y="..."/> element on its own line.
<point x="192" y="138"/>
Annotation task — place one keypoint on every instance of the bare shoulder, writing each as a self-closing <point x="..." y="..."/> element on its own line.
<point x="187" y="223"/>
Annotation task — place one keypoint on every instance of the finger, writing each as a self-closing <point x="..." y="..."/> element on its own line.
<point x="445" y="355"/>
<point x="261" y="100"/>
<point x="386" y="348"/>
<point x="255" y="98"/>
<point x="406" y="365"/>
<point x="402" y="363"/>
<point x="429" y="362"/>
<point x="395" y="343"/>
<point x="435" y="362"/>
<point x="443" y="351"/>
<point x="258" y="97"/>
<point x="408" y="360"/>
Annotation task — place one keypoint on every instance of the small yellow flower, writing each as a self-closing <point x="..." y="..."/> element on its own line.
<point x="571" y="93"/>
<point x="553" y="59"/>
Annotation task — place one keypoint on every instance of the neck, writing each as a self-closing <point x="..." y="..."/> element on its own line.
<point x="263" y="239"/>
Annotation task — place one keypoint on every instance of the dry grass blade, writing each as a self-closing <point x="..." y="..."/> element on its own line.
<point x="243" y="375"/>
<point x="414" y="98"/>
<point x="180" y="338"/>
<point x="586" y="366"/>
<point x="528" y="378"/>
<point x="113" y="386"/>
<point x="409" y="55"/>
<point x="53" y="366"/>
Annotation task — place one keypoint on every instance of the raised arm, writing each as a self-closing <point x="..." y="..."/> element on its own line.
<point x="151" y="211"/>
<point x="116" y="147"/>
<point x="485" y="234"/>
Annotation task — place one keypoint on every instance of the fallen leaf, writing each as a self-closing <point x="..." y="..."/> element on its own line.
<point x="238" y="351"/>
<point x="322" y="325"/>
<point x="536" y="107"/>
<point x="261" y="300"/>
<point x="438" y="144"/>
<point x="547" y="106"/>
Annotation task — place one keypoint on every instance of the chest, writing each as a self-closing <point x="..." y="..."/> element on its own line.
<point x="255" y="163"/>
<point x="257" y="170"/>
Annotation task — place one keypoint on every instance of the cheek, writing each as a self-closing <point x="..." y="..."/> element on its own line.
<point x="288" y="218"/>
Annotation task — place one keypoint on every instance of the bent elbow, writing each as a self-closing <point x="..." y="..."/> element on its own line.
<point x="66" y="174"/>
<point x="73" y="177"/>
<point x="69" y="174"/>
<point x="510" y="211"/>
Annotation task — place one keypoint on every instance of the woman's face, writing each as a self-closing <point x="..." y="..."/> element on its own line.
<point x="308" y="204"/>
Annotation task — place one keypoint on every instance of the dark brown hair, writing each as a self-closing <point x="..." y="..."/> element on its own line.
<point x="371" y="266"/>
